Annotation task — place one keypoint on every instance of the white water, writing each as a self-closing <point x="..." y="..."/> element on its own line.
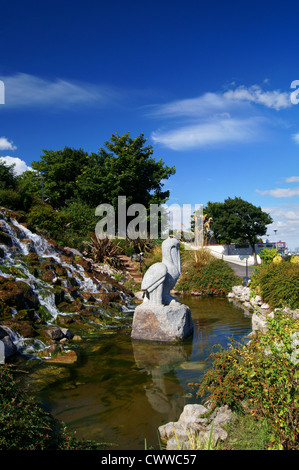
<point x="43" y="290"/>
<point x="41" y="246"/>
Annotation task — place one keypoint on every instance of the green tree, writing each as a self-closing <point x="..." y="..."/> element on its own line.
<point x="7" y="176"/>
<point x="236" y="220"/>
<point x="56" y="175"/>
<point x="124" y="167"/>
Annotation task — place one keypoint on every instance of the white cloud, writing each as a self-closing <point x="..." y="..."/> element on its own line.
<point x="271" y="99"/>
<point x="230" y="116"/>
<point x="280" y="192"/>
<point x="286" y="222"/>
<point x="216" y="131"/>
<point x="28" y="90"/>
<point x="20" y="165"/>
<point x="292" y="179"/>
<point x="6" y="145"/>
<point x="295" y="137"/>
<point x="220" y="102"/>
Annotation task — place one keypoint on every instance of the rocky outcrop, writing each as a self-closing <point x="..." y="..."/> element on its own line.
<point x="195" y="428"/>
<point x="261" y="311"/>
<point x="45" y="288"/>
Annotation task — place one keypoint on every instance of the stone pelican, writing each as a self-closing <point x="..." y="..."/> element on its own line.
<point x="160" y="278"/>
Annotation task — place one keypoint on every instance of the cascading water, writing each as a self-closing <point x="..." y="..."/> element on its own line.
<point x="41" y="246"/>
<point x="14" y="264"/>
<point x="25" y="346"/>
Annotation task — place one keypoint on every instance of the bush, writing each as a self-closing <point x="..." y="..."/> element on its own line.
<point x="278" y="284"/>
<point x="49" y="221"/>
<point x="265" y="375"/>
<point x="25" y="425"/>
<point x="214" y="278"/>
<point x="268" y="254"/>
<point x="11" y="199"/>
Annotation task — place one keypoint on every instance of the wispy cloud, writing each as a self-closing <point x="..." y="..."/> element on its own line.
<point x="5" y="144"/>
<point x="296" y="137"/>
<point x="20" y="165"/>
<point x="28" y="90"/>
<point x="286" y="222"/>
<point x="215" y="131"/>
<point x="271" y="99"/>
<point x="210" y="103"/>
<point x="280" y="192"/>
<point x="234" y="115"/>
<point x="292" y="179"/>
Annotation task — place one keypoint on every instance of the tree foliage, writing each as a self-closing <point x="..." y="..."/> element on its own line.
<point x="236" y="220"/>
<point x="124" y="166"/>
<point x="7" y="176"/>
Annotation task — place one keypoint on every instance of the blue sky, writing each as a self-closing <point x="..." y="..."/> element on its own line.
<point x="208" y="83"/>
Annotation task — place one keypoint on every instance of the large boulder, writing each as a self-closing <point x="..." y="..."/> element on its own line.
<point x="162" y="322"/>
<point x="193" y="424"/>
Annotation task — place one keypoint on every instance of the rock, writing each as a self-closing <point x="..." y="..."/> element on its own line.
<point x="139" y="295"/>
<point x="73" y="251"/>
<point x="247" y="304"/>
<point x="67" y="357"/>
<point x="9" y="347"/>
<point x="54" y="332"/>
<point x="193" y="425"/>
<point x="162" y="322"/>
<point x="265" y="306"/>
<point x="222" y="415"/>
<point x="66" y="333"/>
<point x="259" y="323"/>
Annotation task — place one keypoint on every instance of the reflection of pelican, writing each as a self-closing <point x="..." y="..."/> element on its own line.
<point x="160" y="278"/>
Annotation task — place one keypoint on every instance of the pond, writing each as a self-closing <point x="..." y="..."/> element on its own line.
<point x="120" y="391"/>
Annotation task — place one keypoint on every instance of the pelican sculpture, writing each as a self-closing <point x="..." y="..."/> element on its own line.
<point x="160" y="278"/>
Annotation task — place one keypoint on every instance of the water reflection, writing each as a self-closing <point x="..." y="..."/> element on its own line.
<point x="121" y="390"/>
<point x="158" y="360"/>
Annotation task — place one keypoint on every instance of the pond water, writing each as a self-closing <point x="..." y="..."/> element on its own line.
<point x="120" y="391"/>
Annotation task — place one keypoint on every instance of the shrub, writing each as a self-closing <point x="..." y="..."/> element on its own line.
<point x="11" y="199"/>
<point x="25" y="425"/>
<point x="268" y="254"/>
<point x="49" y="221"/>
<point x="265" y="375"/>
<point x="278" y="284"/>
<point x="214" y="278"/>
<point x="294" y="259"/>
<point x="103" y="251"/>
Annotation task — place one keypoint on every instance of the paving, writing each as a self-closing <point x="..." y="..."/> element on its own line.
<point x="241" y="270"/>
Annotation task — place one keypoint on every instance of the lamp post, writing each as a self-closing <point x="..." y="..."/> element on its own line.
<point x="275" y="239"/>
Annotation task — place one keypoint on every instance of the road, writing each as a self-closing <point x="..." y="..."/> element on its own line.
<point x="241" y="270"/>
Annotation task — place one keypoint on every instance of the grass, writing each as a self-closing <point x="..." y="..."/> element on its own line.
<point x="247" y="433"/>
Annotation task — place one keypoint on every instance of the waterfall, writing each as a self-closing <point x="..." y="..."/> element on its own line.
<point x="26" y="346"/>
<point x="41" y="246"/>
<point x="13" y="264"/>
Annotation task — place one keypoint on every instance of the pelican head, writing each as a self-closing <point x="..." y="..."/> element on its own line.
<point x="171" y="253"/>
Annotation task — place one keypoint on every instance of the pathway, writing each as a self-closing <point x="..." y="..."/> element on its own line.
<point x="241" y="270"/>
<point x="131" y="268"/>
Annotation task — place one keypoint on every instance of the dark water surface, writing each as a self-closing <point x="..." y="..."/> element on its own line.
<point x="120" y="391"/>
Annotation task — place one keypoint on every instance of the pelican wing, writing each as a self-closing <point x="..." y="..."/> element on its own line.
<point x="154" y="276"/>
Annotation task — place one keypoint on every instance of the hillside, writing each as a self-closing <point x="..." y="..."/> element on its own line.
<point x="49" y="296"/>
